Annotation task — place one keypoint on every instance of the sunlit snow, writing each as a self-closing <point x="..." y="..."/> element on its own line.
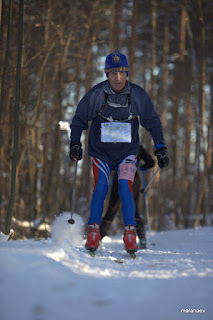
<point x="56" y="279"/>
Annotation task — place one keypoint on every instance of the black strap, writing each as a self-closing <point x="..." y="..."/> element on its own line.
<point x="104" y="103"/>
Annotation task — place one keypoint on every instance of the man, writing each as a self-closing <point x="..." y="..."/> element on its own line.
<point x="114" y="200"/>
<point x="115" y="107"/>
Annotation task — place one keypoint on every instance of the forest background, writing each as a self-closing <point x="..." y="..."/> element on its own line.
<point x="52" y="53"/>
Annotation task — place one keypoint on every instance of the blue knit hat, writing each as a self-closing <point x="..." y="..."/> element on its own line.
<point x="116" y="62"/>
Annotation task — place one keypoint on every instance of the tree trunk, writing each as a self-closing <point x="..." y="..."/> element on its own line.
<point x="203" y="110"/>
<point x="163" y="112"/>
<point x="7" y="47"/>
<point x="165" y="75"/>
<point x="16" y="121"/>
<point x="132" y="47"/>
<point x="86" y="169"/>
<point x="187" y="147"/>
<point x="115" y="33"/>
<point x="175" y="114"/>
<point x="210" y="155"/>
<point x="154" y="51"/>
<point x="0" y="11"/>
<point x="155" y="198"/>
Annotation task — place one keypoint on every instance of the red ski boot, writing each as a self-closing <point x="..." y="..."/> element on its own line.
<point x="130" y="239"/>
<point x="93" y="237"/>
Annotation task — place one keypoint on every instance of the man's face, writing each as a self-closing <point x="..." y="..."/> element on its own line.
<point x="117" y="80"/>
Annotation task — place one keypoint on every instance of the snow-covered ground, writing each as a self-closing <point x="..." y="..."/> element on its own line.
<point x="56" y="279"/>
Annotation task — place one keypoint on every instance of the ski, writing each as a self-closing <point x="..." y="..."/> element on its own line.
<point x="109" y="255"/>
<point x="133" y="255"/>
<point x="93" y="254"/>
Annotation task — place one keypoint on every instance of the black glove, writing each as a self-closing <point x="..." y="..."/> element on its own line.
<point x="145" y="156"/>
<point x="149" y="163"/>
<point x="75" y="150"/>
<point x="163" y="159"/>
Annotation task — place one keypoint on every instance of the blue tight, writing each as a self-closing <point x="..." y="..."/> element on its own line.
<point x="101" y="173"/>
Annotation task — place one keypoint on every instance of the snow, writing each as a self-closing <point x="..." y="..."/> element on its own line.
<point x="56" y="279"/>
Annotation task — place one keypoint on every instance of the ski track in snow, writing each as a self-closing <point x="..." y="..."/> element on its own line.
<point x="57" y="279"/>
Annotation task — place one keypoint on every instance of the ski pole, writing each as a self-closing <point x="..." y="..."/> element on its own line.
<point x="71" y="220"/>
<point x="144" y="190"/>
<point x="146" y="204"/>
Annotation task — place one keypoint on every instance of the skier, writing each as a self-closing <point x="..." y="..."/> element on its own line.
<point x="115" y="107"/>
<point x="114" y="200"/>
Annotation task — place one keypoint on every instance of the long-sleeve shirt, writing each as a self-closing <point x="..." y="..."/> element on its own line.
<point x="100" y="105"/>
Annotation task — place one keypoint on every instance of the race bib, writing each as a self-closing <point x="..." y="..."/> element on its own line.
<point x="116" y="132"/>
<point x="127" y="171"/>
